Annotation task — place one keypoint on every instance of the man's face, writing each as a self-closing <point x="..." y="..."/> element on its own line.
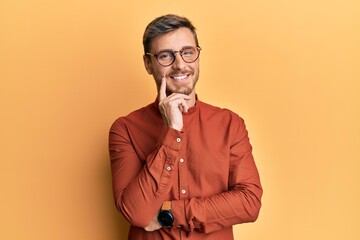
<point x="181" y="77"/>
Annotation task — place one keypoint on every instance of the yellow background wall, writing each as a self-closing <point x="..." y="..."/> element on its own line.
<point x="68" y="69"/>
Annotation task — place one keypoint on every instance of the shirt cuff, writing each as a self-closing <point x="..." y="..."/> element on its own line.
<point x="178" y="211"/>
<point x="171" y="138"/>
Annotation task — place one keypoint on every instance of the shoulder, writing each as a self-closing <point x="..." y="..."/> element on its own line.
<point x="137" y="117"/>
<point x="223" y="119"/>
<point x="213" y="111"/>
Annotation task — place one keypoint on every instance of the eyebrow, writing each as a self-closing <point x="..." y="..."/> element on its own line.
<point x="171" y="50"/>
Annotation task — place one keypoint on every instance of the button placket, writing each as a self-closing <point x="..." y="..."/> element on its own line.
<point x="182" y="170"/>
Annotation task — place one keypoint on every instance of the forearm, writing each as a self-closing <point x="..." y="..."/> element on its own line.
<point x="143" y="196"/>
<point x="239" y="205"/>
<point x="139" y="190"/>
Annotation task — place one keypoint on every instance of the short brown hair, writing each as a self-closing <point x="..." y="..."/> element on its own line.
<point x="165" y="24"/>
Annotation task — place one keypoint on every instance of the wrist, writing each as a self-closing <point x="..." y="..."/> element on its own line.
<point x="165" y="217"/>
<point x="177" y="128"/>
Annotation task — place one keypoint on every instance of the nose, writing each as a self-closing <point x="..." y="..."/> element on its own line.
<point x="179" y="63"/>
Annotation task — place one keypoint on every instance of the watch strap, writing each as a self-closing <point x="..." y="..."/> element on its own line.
<point x="166" y="206"/>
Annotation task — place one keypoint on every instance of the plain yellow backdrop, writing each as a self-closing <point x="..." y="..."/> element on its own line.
<point x="68" y="69"/>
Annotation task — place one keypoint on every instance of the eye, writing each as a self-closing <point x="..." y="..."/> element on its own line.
<point x="164" y="55"/>
<point x="188" y="52"/>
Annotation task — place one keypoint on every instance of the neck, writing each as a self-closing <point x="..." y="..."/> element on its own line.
<point x="191" y="102"/>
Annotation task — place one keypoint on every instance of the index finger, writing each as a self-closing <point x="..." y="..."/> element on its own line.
<point x="162" y="90"/>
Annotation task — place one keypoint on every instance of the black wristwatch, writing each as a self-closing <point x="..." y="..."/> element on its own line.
<point x="165" y="218"/>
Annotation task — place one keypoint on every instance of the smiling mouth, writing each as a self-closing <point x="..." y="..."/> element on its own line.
<point x="180" y="77"/>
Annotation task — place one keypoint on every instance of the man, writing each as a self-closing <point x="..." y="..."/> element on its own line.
<point x="182" y="169"/>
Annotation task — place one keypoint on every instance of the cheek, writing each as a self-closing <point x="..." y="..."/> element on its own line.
<point x="160" y="72"/>
<point x="158" y="75"/>
<point x="194" y="65"/>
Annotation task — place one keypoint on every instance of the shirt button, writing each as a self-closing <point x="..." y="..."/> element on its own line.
<point x="178" y="139"/>
<point x="182" y="160"/>
<point x="183" y="191"/>
<point x="168" y="168"/>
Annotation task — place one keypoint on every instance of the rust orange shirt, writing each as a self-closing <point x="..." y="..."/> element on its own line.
<point x="207" y="171"/>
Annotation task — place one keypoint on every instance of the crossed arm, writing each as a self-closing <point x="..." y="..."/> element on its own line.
<point x="140" y="190"/>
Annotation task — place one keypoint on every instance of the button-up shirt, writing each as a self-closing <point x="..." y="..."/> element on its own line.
<point x="207" y="171"/>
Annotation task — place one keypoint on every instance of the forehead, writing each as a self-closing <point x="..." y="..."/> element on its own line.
<point x="174" y="40"/>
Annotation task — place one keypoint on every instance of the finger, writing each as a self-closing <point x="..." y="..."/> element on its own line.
<point x="179" y="95"/>
<point x="162" y="90"/>
<point x="184" y="106"/>
<point x="179" y="100"/>
<point x="181" y="104"/>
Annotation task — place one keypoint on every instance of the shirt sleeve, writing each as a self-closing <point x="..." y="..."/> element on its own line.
<point x="139" y="187"/>
<point x="240" y="204"/>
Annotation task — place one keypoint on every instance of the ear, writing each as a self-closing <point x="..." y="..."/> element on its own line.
<point x="147" y="64"/>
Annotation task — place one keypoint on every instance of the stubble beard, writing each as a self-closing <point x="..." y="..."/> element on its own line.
<point x="186" y="88"/>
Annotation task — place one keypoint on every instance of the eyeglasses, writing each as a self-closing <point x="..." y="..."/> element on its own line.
<point x="167" y="57"/>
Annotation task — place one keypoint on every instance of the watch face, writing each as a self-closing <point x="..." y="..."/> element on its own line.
<point x="165" y="218"/>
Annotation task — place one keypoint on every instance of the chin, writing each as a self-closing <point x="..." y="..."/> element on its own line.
<point x="181" y="90"/>
<point x="186" y="89"/>
<point x="187" y="92"/>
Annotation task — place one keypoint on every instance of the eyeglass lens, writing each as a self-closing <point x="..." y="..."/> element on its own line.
<point x="167" y="57"/>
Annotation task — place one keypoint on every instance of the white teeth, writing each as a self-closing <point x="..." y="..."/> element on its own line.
<point x="180" y="77"/>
